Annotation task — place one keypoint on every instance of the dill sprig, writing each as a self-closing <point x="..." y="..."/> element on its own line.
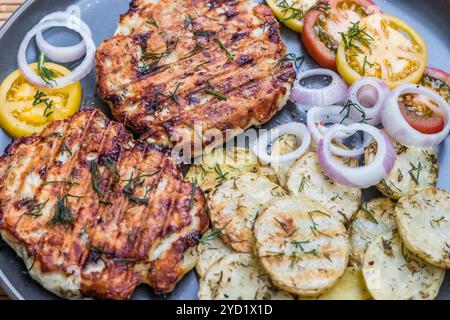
<point x="69" y="182"/>
<point x="136" y="182"/>
<point x="151" y="22"/>
<point x="220" y="174"/>
<point x="369" y="213"/>
<point x="96" y="178"/>
<point x="63" y="212"/>
<point x="292" y="12"/>
<point x="173" y="94"/>
<point x="209" y="236"/>
<point x="39" y="98"/>
<point x="46" y="74"/>
<point x="346" y="111"/>
<point x="356" y="34"/>
<point x="35" y="209"/>
<point x="211" y="91"/>
<point x="296" y="60"/>
<point x="365" y="64"/>
<point x="415" y="172"/>
<point x="230" y="56"/>
<point x="111" y="165"/>
<point x="301" y="188"/>
<point x="194" y="188"/>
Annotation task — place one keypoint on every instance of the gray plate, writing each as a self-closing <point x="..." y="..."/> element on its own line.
<point x="429" y="17"/>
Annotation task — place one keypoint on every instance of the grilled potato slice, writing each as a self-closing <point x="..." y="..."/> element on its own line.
<point x="210" y="250"/>
<point x="283" y="145"/>
<point x="303" y="248"/>
<point x="351" y="286"/>
<point x="234" y="205"/>
<point x="238" y="276"/>
<point x="392" y="272"/>
<point x="414" y="168"/>
<point x="373" y="219"/>
<point x="423" y="218"/>
<point x="305" y="177"/>
<point x="222" y="164"/>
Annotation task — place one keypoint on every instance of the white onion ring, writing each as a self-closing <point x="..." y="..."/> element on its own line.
<point x="334" y="93"/>
<point x="333" y="114"/>
<point x="77" y="74"/>
<point x="399" y="129"/>
<point x="372" y="91"/>
<point x="295" y="128"/>
<point x="358" y="177"/>
<point x="63" y="54"/>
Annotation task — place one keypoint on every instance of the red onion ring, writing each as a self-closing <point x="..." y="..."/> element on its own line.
<point x="398" y="128"/>
<point x="334" y="93"/>
<point x="63" y="54"/>
<point x="77" y="74"/>
<point x="358" y="177"/>
<point x="368" y="91"/>
<point x="295" y="128"/>
<point x="333" y="114"/>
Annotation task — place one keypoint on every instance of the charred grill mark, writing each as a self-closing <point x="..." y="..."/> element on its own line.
<point x="239" y="36"/>
<point x="243" y="60"/>
<point x="273" y="32"/>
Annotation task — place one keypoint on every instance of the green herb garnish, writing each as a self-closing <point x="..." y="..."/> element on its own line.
<point x="35" y="209"/>
<point x="194" y="188"/>
<point x="415" y="172"/>
<point x="39" y="98"/>
<point x="46" y="74"/>
<point x="211" y="235"/>
<point x="220" y="174"/>
<point x="369" y="213"/>
<point x="63" y="213"/>
<point x="228" y="53"/>
<point x="136" y="182"/>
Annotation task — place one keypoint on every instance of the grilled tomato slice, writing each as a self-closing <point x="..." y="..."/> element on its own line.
<point x="322" y="29"/>
<point x="26" y="109"/>
<point x="421" y="113"/>
<point x="382" y="46"/>
<point x="292" y="12"/>
<point x="438" y="81"/>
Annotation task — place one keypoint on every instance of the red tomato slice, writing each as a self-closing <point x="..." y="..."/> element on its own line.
<point x="321" y="30"/>
<point x="421" y="114"/>
<point x="438" y="81"/>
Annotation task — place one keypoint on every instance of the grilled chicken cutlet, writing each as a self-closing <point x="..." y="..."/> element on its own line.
<point x="94" y="213"/>
<point x="173" y="64"/>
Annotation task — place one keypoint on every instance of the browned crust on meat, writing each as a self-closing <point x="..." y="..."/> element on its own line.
<point x="139" y="90"/>
<point x="114" y="228"/>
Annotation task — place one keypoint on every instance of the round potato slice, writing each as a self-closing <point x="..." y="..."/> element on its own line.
<point x="351" y="286"/>
<point x="234" y="205"/>
<point x="281" y="146"/>
<point x="305" y="177"/>
<point x="373" y="219"/>
<point x="392" y="272"/>
<point x="238" y="276"/>
<point x="303" y="248"/>
<point x="222" y="164"/>
<point x="423" y="218"/>
<point x="414" y="168"/>
<point x="210" y="250"/>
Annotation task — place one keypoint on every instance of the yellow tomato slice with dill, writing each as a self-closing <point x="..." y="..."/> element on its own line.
<point x="291" y="12"/>
<point x="382" y="46"/>
<point x="26" y="109"/>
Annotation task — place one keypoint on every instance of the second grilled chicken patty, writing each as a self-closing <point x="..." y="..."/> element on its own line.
<point x="174" y="64"/>
<point x="94" y="213"/>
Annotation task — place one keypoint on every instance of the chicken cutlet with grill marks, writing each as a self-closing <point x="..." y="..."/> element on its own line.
<point x="176" y="64"/>
<point x="94" y="213"/>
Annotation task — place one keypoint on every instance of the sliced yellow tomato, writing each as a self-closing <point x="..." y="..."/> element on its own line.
<point x="291" y="12"/>
<point x="382" y="46"/>
<point x="19" y="117"/>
